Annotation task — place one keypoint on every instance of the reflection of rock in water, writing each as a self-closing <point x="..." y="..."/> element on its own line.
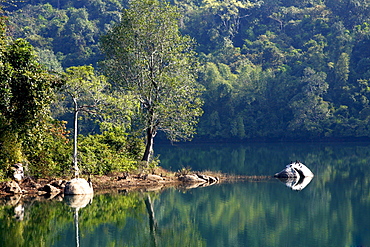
<point x="296" y="183"/>
<point x="197" y="180"/>
<point x="77" y="202"/>
<point x="295" y="175"/>
<point x="16" y="202"/>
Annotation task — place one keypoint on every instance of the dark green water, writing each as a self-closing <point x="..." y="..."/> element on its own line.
<point x="333" y="210"/>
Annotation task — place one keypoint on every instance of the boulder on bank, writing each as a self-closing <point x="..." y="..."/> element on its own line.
<point x="50" y="189"/>
<point x="13" y="187"/>
<point x="198" y="178"/>
<point x="153" y="177"/>
<point x="294" y="170"/>
<point x="18" y="171"/>
<point x="78" y="186"/>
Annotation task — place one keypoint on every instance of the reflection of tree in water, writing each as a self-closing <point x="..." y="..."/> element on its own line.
<point x="77" y="202"/>
<point x="333" y="211"/>
<point x="327" y="159"/>
<point x="179" y="231"/>
<point x="152" y="221"/>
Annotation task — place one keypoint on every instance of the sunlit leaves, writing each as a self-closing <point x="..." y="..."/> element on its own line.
<point x="147" y="56"/>
<point x="27" y="91"/>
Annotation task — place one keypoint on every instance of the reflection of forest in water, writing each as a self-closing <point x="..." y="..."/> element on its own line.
<point x="262" y="158"/>
<point x="333" y="209"/>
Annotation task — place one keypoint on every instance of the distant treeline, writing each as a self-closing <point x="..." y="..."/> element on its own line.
<point x="288" y="69"/>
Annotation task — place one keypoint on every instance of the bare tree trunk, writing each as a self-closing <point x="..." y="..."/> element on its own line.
<point x="75" y="162"/>
<point x="150" y="134"/>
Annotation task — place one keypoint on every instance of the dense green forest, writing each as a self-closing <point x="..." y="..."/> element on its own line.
<point x="271" y="70"/>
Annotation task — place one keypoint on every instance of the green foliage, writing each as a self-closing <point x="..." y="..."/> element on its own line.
<point x="111" y="151"/>
<point x="69" y="35"/>
<point x="48" y="150"/>
<point x="148" y="56"/>
<point x="272" y="42"/>
<point x="26" y="93"/>
<point x="26" y="87"/>
<point x="88" y="94"/>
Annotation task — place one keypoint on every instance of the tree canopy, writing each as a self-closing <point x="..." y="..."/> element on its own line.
<point x="255" y="56"/>
<point x="26" y="93"/>
<point x="148" y="56"/>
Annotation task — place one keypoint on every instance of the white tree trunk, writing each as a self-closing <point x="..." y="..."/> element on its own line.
<point x="75" y="160"/>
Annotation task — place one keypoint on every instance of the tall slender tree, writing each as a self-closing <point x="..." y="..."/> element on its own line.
<point x="147" y="56"/>
<point x="88" y="93"/>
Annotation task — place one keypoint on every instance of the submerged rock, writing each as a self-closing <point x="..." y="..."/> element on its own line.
<point x="295" y="170"/>
<point x="78" y="186"/>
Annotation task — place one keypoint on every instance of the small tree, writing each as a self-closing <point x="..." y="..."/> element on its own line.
<point x="147" y="56"/>
<point x="89" y="95"/>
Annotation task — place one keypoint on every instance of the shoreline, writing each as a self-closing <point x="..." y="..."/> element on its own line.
<point x="51" y="187"/>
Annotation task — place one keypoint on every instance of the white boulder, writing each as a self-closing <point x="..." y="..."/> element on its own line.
<point x="295" y="170"/>
<point x="78" y="186"/>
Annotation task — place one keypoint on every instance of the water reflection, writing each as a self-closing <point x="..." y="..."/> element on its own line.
<point x="332" y="211"/>
<point x="77" y="202"/>
<point x="297" y="183"/>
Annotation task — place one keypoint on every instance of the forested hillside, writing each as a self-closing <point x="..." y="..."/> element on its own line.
<point x="288" y="69"/>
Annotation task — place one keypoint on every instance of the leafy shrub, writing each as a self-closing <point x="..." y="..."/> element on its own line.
<point x="48" y="150"/>
<point x="111" y="151"/>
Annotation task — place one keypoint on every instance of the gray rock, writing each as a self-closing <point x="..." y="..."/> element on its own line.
<point x="209" y="179"/>
<point x="153" y="177"/>
<point x="198" y="178"/>
<point x="50" y="189"/>
<point x="78" y="186"/>
<point x="13" y="188"/>
<point x="191" y="179"/>
<point x="287" y="172"/>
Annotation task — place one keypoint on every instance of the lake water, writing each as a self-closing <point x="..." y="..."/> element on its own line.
<point x="331" y="210"/>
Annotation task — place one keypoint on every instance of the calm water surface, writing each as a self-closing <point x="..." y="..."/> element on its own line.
<point x="332" y="210"/>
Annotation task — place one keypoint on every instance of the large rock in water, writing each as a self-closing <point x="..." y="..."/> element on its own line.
<point x="78" y="186"/>
<point x="295" y="170"/>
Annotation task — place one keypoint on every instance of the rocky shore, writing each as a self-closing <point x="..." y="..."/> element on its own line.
<point x="155" y="181"/>
<point x="122" y="182"/>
